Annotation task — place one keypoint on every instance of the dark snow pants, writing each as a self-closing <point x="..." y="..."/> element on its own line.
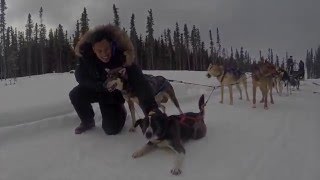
<point x="111" y="106"/>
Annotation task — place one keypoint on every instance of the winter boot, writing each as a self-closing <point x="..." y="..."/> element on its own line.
<point x="84" y="127"/>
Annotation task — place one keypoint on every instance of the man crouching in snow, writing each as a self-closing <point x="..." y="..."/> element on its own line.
<point x="100" y="50"/>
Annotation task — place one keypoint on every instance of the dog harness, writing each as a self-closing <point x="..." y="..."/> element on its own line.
<point x="222" y="74"/>
<point x="185" y="117"/>
<point x="157" y="83"/>
<point x="235" y="72"/>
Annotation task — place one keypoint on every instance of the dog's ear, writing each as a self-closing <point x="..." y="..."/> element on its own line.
<point x="123" y="73"/>
<point x="138" y="123"/>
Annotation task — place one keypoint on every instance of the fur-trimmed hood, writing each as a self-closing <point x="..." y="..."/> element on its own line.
<point x="84" y="46"/>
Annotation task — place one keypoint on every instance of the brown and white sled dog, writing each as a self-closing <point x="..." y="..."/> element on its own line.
<point x="262" y="77"/>
<point x="163" y="90"/>
<point x="161" y="130"/>
<point x="228" y="77"/>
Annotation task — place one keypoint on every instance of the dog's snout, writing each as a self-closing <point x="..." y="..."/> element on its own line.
<point x="148" y="134"/>
<point x="111" y="86"/>
<point x="208" y="75"/>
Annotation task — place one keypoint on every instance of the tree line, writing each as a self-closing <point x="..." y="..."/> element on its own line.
<point x="313" y="63"/>
<point x="37" y="50"/>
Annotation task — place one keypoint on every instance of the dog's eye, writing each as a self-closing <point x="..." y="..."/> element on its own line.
<point x="145" y="123"/>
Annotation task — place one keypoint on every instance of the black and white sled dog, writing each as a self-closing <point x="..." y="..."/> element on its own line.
<point x="290" y="81"/>
<point x="161" y="130"/>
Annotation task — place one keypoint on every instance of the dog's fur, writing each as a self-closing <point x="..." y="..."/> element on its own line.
<point x="170" y="131"/>
<point x="228" y="78"/>
<point x="163" y="90"/>
<point x="284" y="79"/>
<point x="262" y="77"/>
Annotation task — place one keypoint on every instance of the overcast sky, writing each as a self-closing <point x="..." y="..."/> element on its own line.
<point x="284" y="25"/>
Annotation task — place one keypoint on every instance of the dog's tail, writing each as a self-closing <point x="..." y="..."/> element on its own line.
<point x="201" y="104"/>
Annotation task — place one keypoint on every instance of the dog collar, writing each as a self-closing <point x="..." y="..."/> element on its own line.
<point x="151" y="113"/>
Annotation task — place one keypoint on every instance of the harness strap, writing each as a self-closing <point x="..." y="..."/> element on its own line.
<point x="184" y="117"/>
<point x="222" y="74"/>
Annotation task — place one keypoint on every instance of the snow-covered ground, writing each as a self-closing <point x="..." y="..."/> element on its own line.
<point x="37" y="140"/>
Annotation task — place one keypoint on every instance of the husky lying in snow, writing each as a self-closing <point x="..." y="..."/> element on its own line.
<point x="170" y="131"/>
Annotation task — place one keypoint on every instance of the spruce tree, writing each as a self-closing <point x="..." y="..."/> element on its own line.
<point x="150" y="39"/>
<point x="60" y="45"/>
<point x="13" y="54"/>
<point x="116" y="18"/>
<point x="211" y="44"/>
<point x="3" y="62"/>
<point x="77" y="32"/>
<point x="170" y="49"/>
<point x="133" y="34"/>
<point x="187" y="44"/>
<point x="218" y="43"/>
<point x="29" y="26"/>
<point x="176" y="42"/>
<point x="84" y="22"/>
<point x="277" y="63"/>
<point x="317" y="63"/>
<point x="231" y="57"/>
<point x="237" y="56"/>
<point x="241" y="58"/>
<point x="308" y="64"/>
<point x="22" y="63"/>
<point x="260" y="55"/>
<point x="42" y="40"/>
<point x="271" y="56"/>
<point x="52" y="56"/>
<point x="35" y="50"/>
<point x="193" y="40"/>
<point x="312" y="73"/>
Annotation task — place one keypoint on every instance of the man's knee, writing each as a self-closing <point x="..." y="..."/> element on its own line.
<point x="111" y="131"/>
<point x="115" y="127"/>
<point x="114" y="118"/>
<point x="74" y="94"/>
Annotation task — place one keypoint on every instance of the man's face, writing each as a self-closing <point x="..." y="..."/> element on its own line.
<point x="103" y="50"/>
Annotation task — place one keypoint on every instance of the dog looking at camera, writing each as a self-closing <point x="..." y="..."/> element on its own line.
<point x="170" y="131"/>
<point x="162" y="89"/>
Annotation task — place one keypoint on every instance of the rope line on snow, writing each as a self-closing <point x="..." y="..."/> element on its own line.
<point x="316" y="83"/>
<point x="213" y="87"/>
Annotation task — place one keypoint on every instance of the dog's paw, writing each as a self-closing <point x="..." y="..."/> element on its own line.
<point x="132" y="129"/>
<point x="137" y="154"/>
<point x="254" y="106"/>
<point x="176" y="171"/>
<point x="221" y="102"/>
<point x="266" y="107"/>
